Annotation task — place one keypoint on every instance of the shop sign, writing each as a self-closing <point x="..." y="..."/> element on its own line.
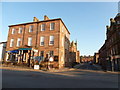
<point x="36" y="67"/>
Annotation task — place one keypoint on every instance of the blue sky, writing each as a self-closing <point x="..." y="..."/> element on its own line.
<point x="86" y="21"/>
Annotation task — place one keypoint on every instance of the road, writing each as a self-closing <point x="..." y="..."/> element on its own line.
<point x="67" y="79"/>
<point x="88" y="66"/>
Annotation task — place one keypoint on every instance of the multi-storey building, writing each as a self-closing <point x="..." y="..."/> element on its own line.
<point x="86" y="58"/>
<point x="102" y="56"/>
<point x="74" y="53"/>
<point x="96" y="57"/>
<point x="112" y="45"/>
<point x="2" y="50"/>
<point x="39" y="38"/>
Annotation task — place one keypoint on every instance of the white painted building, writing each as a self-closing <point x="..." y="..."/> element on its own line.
<point x="2" y="50"/>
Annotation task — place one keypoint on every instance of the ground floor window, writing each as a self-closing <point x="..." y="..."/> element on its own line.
<point x="51" y="53"/>
<point x="55" y="58"/>
<point x="42" y="53"/>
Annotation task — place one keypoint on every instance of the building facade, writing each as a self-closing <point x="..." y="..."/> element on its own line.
<point x="2" y="50"/>
<point x="49" y="37"/>
<point x="111" y="51"/>
<point x="74" y="53"/>
<point x="96" y="58"/>
<point x="86" y="59"/>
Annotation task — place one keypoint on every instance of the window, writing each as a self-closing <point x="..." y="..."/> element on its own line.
<point x="42" y="41"/>
<point x="13" y="30"/>
<point x="20" y="30"/>
<point x="29" y="41"/>
<point x="43" y="27"/>
<point x="42" y="53"/>
<point x="31" y="28"/>
<point x="51" y="42"/>
<point x="51" y="53"/>
<point x="18" y="42"/>
<point x="52" y="26"/>
<point x="118" y="22"/>
<point x="11" y="42"/>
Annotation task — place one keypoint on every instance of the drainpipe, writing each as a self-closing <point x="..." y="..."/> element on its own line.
<point x="36" y="35"/>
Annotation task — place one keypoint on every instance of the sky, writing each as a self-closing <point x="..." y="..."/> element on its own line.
<point x="86" y="21"/>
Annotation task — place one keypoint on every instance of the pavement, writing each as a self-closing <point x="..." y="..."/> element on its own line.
<point x="68" y="78"/>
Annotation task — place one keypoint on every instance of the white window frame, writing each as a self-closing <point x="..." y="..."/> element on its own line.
<point x="18" y="42"/>
<point x="31" y="28"/>
<point x="51" y="40"/>
<point x="13" y="30"/>
<point x="52" y="26"/>
<point x="11" y="42"/>
<point x="42" y="39"/>
<point x="43" y="27"/>
<point x="29" y="41"/>
<point x="20" y="30"/>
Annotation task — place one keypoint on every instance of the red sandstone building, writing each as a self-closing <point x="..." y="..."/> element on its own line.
<point x="109" y="53"/>
<point x="86" y="58"/>
<point x="74" y="56"/>
<point x="96" y="58"/>
<point x="49" y="37"/>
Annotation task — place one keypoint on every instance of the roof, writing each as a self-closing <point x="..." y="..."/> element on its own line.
<point x="35" y="22"/>
<point x="41" y="21"/>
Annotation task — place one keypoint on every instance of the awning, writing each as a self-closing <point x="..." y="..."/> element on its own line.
<point x="13" y="51"/>
<point x="25" y="49"/>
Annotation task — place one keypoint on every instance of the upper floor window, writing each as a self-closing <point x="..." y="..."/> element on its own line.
<point x="43" y="27"/>
<point x="20" y="30"/>
<point x="118" y="22"/>
<point x="42" y="41"/>
<point x="31" y="28"/>
<point x="13" y="30"/>
<point x="18" y="42"/>
<point x="52" y="26"/>
<point x="51" y="42"/>
<point x="30" y="41"/>
<point x="11" y="42"/>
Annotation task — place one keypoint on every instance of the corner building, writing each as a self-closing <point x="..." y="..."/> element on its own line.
<point x="109" y="53"/>
<point x="47" y="37"/>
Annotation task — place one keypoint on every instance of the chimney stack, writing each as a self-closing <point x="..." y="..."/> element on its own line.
<point x="46" y="17"/>
<point x="108" y="27"/>
<point x="35" y="19"/>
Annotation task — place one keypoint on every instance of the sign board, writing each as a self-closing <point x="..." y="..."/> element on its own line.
<point x="51" y="59"/>
<point x="34" y="50"/>
<point x="36" y="67"/>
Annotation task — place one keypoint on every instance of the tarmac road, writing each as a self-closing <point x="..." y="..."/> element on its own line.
<point x="67" y="79"/>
